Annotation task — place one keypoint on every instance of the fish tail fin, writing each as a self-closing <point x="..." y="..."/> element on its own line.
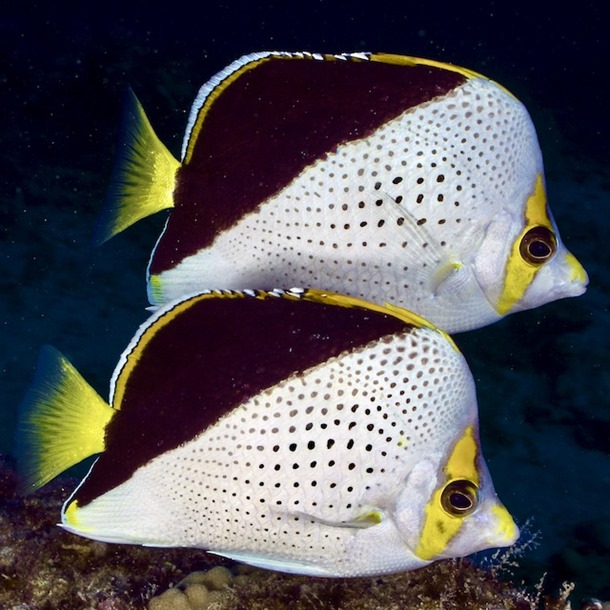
<point x="61" y="422"/>
<point x="144" y="177"/>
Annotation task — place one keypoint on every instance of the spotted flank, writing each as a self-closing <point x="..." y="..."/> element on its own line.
<point x="297" y="430"/>
<point x="384" y="177"/>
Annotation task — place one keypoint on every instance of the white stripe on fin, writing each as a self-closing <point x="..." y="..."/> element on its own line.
<point x="205" y="91"/>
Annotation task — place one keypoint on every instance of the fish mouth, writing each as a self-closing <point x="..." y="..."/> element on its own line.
<point x="506" y="532"/>
<point x="566" y="278"/>
<point x="578" y="279"/>
<point x="560" y="277"/>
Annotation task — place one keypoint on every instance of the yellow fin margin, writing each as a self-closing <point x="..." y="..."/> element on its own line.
<point x="61" y="422"/>
<point x="144" y="178"/>
<point x="309" y="294"/>
<point x="408" y="60"/>
<point x="389" y="309"/>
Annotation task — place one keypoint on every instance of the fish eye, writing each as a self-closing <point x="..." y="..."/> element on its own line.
<point x="460" y="498"/>
<point x="538" y="245"/>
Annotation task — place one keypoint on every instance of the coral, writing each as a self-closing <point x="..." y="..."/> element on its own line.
<point x="447" y="585"/>
<point x="198" y="591"/>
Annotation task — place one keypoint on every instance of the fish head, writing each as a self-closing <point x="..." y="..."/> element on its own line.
<point x="461" y="511"/>
<point x="522" y="262"/>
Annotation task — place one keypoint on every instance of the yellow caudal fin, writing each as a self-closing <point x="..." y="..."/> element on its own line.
<point x="144" y="178"/>
<point x="61" y="422"/>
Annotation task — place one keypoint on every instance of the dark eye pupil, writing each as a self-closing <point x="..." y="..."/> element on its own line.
<point x="539" y="249"/>
<point x="460" y="501"/>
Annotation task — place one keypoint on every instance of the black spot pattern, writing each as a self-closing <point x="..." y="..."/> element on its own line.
<point x="360" y="219"/>
<point x="318" y="448"/>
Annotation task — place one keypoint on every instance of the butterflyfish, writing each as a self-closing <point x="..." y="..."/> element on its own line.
<point x="385" y="177"/>
<point x="299" y="431"/>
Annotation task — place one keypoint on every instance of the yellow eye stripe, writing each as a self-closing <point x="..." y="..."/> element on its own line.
<point x="520" y="273"/>
<point x="440" y="527"/>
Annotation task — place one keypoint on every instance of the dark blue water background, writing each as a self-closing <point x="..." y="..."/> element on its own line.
<point x="542" y="376"/>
